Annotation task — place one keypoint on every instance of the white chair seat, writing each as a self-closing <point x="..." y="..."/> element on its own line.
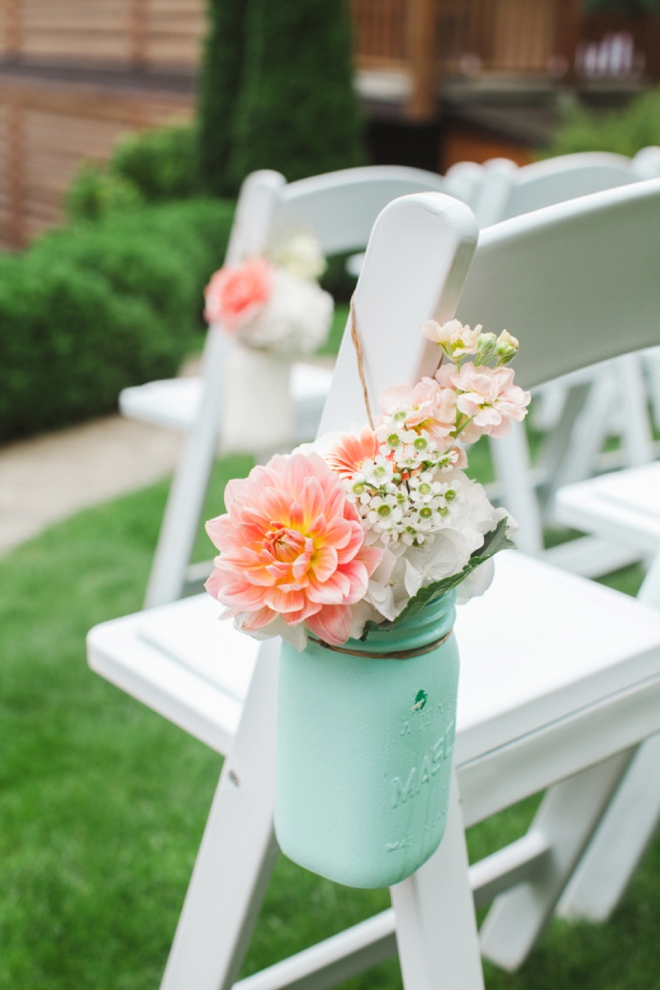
<point x="624" y="506"/>
<point x="569" y="645"/>
<point x="176" y="402"/>
<point x="172" y="402"/>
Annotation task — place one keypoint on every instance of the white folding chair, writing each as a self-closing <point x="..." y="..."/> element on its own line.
<point x="577" y="411"/>
<point x="623" y="507"/>
<point x="560" y="676"/>
<point x="340" y="208"/>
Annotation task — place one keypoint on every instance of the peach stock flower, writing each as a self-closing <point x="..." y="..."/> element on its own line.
<point x="426" y="405"/>
<point x="454" y="338"/>
<point x="291" y="551"/>
<point x="236" y="293"/>
<point x="489" y="397"/>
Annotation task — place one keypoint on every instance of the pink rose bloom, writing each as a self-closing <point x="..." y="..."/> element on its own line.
<point x="236" y="293"/>
<point x="291" y="548"/>
<point x="427" y="405"/>
<point x="489" y="397"/>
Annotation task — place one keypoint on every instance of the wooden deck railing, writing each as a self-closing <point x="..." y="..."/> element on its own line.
<point x="429" y="38"/>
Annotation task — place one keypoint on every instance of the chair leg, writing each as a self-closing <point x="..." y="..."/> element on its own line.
<point x="185" y="502"/>
<point x="628" y="825"/>
<point x="238" y="850"/>
<point x="436" y="928"/>
<point x="649" y="593"/>
<point x="622" y="838"/>
<point x="585" y="438"/>
<point x="566" y="820"/>
<point x="637" y="436"/>
<point x="512" y="468"/>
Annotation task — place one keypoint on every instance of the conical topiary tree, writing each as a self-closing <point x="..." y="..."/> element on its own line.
<point x="219" y="86"/>
<point x="297" y="110"/>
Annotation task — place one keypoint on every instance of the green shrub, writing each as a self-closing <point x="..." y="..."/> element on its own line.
<point x="336" y="280"/>
<point x="154" y="166"/>
<point x="196" y="229"/>
<point x="297" y="111"/>
<point x="68" y="345"/>
<point x="91" y="309"/>
<point x="161" y="163"/>
<point x="623" y="131"/>
<point x="220" y="82"/>
<point x="95" y="192"/>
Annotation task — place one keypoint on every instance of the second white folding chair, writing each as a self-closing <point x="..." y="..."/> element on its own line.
<point x="560" y="677"/>
<point x="340" y="208"/>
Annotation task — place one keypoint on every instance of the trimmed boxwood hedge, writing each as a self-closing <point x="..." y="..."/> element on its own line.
<point x="93" y="308"/>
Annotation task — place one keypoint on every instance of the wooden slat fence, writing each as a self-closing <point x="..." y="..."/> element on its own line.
<point x="151" y="33"/>
<point x="45" y="133"/>
<point x="47" y="128"/>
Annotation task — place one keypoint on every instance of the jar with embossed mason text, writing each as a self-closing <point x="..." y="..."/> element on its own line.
<point x="364" y="749"/>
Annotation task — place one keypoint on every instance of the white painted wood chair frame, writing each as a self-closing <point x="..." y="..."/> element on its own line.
<point x="619" y="507"/>
<point x="572" y="449"/>
<point x="569" y="723"/>
<point x="340" y="207"/>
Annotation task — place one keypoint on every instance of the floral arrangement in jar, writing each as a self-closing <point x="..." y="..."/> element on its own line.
<point x="353" y="550"/>
<point x="358" y="530"/>
<point x="274" y="303"/>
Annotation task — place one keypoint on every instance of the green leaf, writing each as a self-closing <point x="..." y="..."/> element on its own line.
<point x="494" y="541"/>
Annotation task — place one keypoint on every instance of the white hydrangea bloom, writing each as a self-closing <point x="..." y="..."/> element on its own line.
<point x="295" y="320"/>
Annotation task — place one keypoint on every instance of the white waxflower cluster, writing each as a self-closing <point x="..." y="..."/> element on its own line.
<point x="399" y="493"/>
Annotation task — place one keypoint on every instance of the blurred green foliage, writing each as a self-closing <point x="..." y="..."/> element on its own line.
<point x="220" y="81"/>
<point x="98" y="306"/>
<point x="95" y="192"/>
<point x="297" y="111"/>
<point x="624" y="131"/>
<point x="162" y="163"/>
<point x="153" y="166"/>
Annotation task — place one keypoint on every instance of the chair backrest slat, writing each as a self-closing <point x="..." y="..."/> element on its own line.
<point x="415" y="265"/>
<point x="578" y="282"/>
<point x="567" y="177"/>
<point x="342" y="207"/>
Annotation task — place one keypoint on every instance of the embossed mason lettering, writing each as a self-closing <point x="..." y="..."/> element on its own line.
<point x="442" y="749"/>
<point x="431" y="763"/>
<point x="404" y="843"/>
<point x="401" y="793"/>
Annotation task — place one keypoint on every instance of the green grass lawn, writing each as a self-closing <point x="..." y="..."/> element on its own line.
<point x="102" y="802"/>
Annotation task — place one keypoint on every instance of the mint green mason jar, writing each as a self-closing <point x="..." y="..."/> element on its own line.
<point x="364" y="746"/>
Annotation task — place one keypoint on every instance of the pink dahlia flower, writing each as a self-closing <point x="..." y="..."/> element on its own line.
<point x="236" y="293"/>
<point x="291" y="547"/>
<point x="489" y="397"/>
<point x="427" y="406"/>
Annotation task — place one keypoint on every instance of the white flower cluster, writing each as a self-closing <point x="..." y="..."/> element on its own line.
<point x="399" y="493"/>
<point x="301" y="255"/>
<point x="418" y="505"/>
<point x="445" y="516"/>
<point x="298" y="316"/>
